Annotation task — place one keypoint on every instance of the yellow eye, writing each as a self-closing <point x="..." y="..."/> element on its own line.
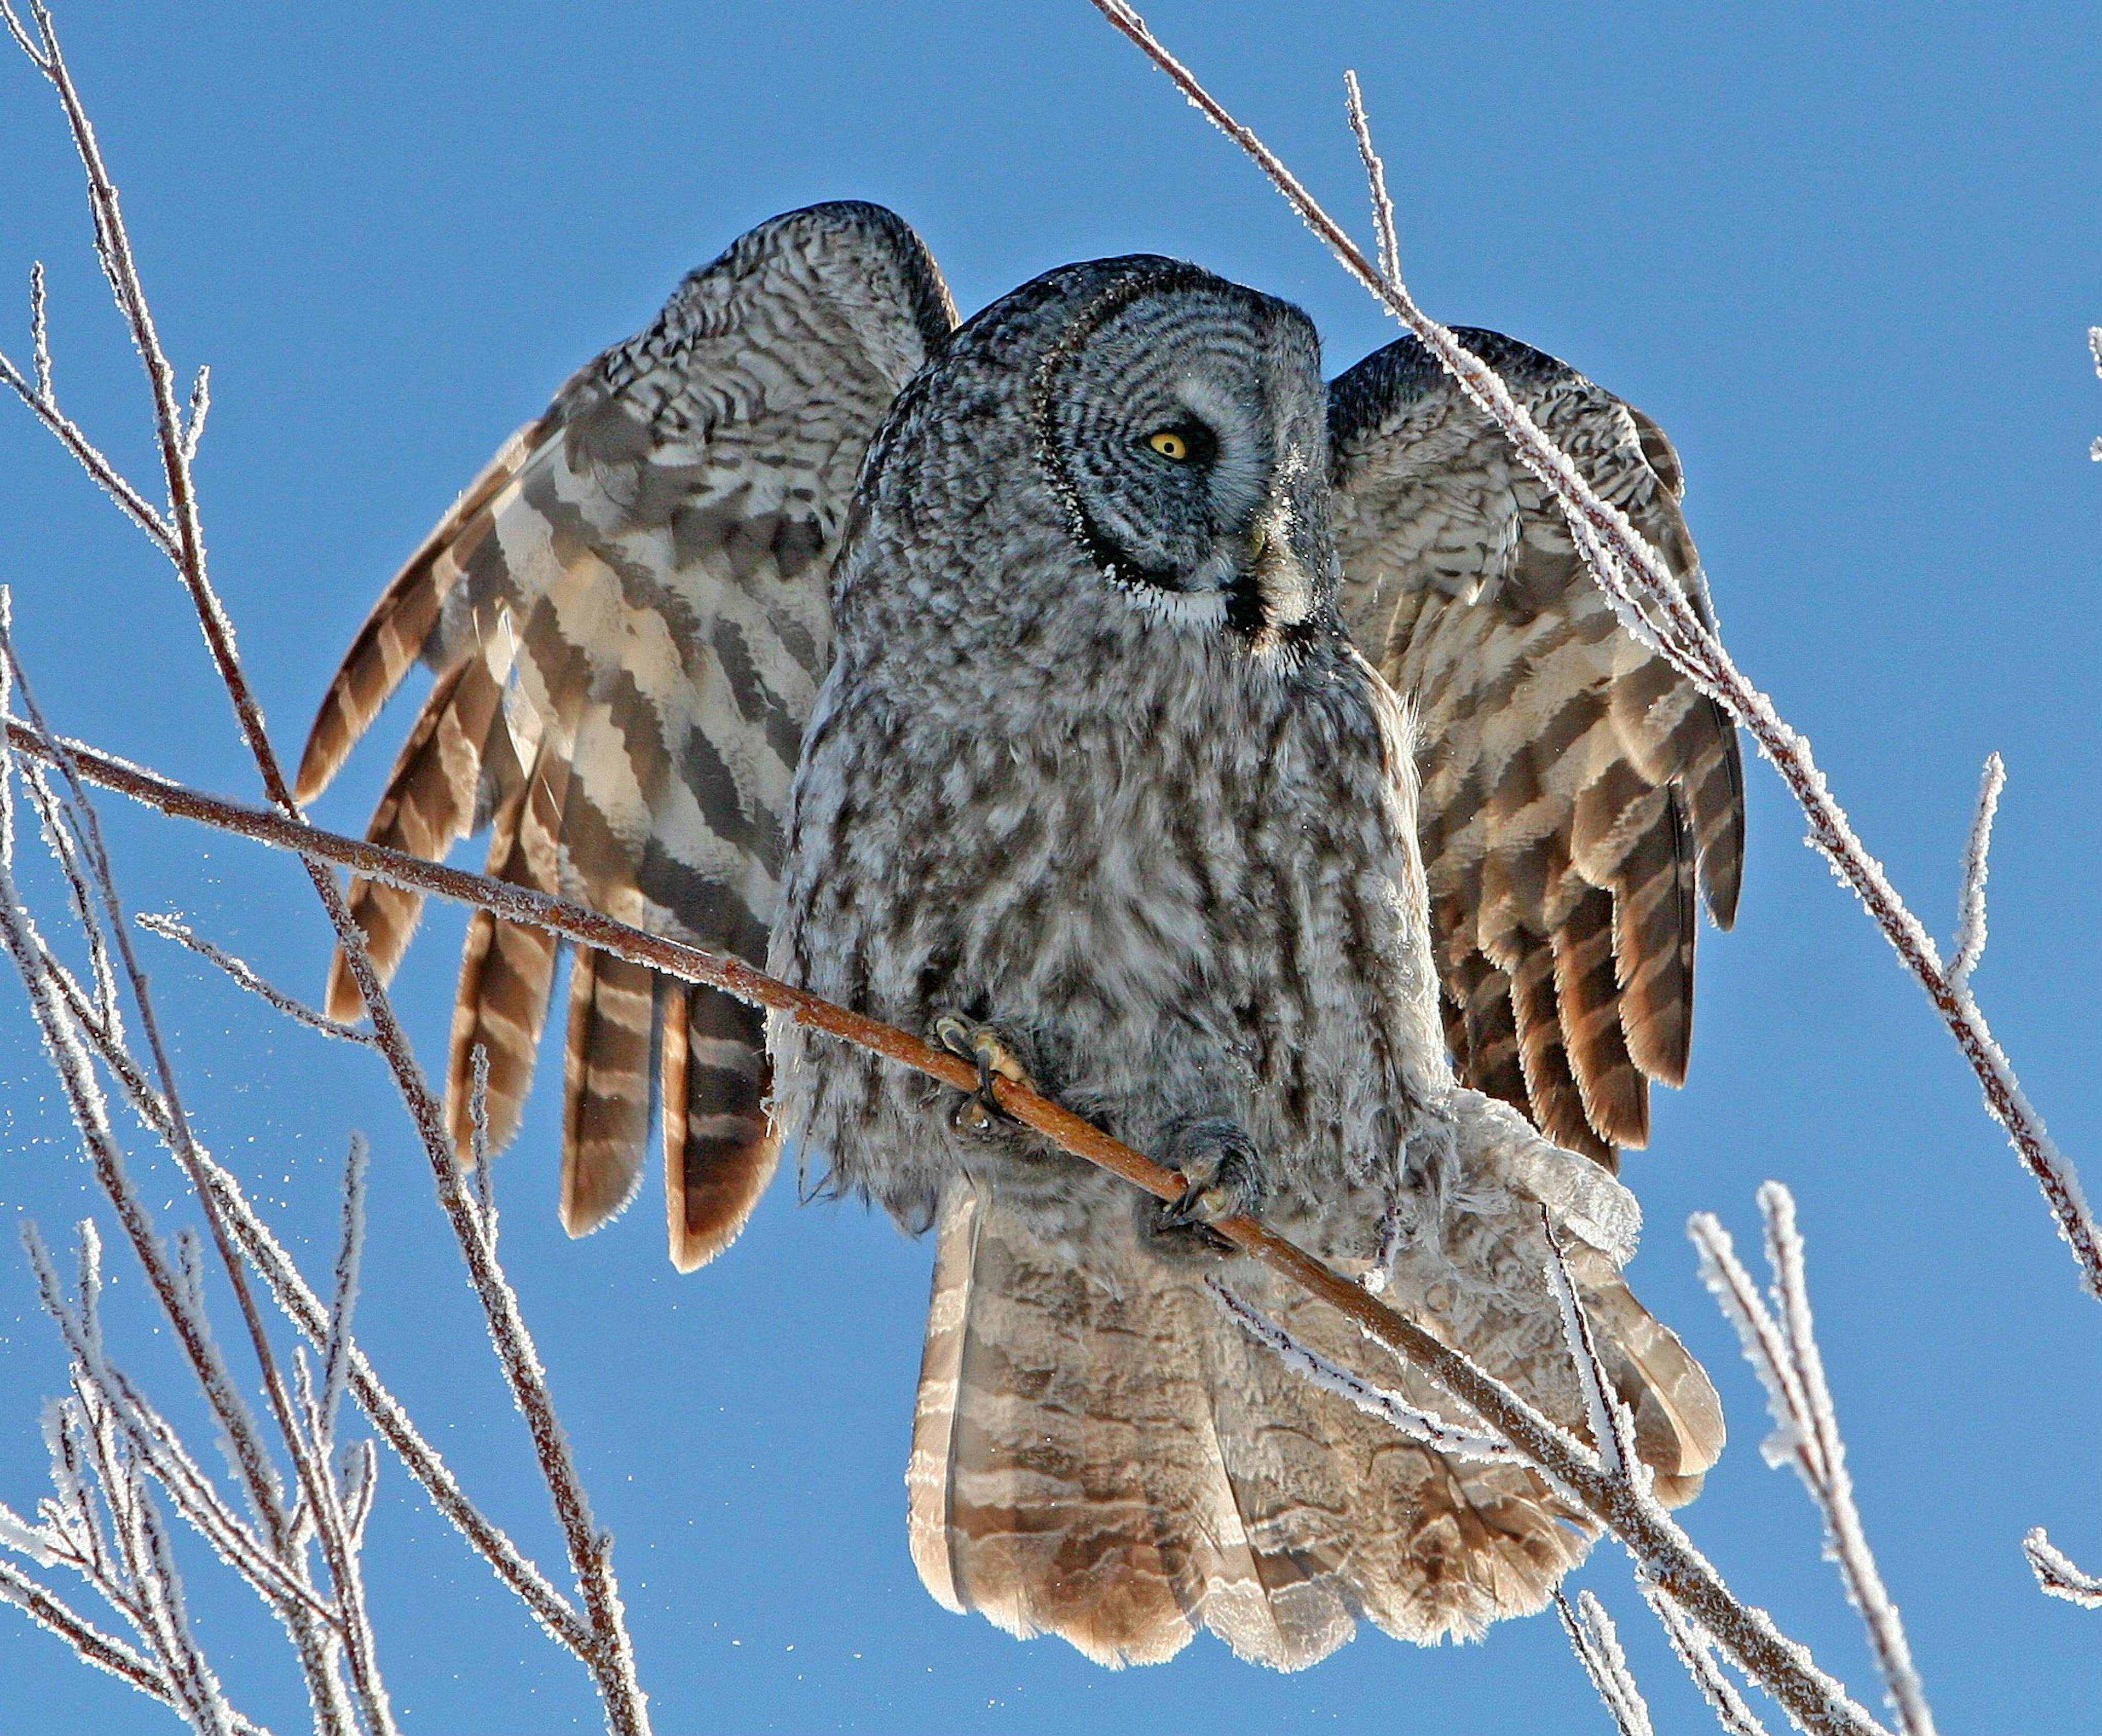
<point x="1169" y="444"/>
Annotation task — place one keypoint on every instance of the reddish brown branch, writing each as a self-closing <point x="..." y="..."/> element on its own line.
<point x="1668" y="1559"/>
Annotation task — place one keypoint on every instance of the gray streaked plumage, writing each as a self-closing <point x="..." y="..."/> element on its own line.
<point x="628" y="613"/>
<point x="1571" y="780"/>
<point x="1098" y="763"/>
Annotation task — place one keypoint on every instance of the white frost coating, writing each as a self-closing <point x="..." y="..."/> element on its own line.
<point x="1389" y="1408"/>
<point x="1612" y="1432"/>
<point x="1597" y="1644"/>
<point x="335" y="1352"/>
<point x="1782" y="1348"/>
<point x="1695" y="1648"/>
<point x="1971" y="893"/>
<point x="2095" y="350"/>
<point x="2055" y="1575"/>
<point x="17" y="1534"/>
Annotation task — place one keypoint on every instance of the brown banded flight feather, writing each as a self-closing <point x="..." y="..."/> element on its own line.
<point x="1576" y="790"/>
<point x="628" y="614"/>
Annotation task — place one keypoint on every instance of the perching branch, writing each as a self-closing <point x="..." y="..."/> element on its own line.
<point x="1650" y="604"/>
<point x="1818" y="1702"/>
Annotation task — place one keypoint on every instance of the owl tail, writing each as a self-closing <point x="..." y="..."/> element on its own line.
<point x="1100" y="1452"/>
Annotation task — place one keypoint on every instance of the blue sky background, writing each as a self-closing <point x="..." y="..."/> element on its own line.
<point x="1846" y="254"/>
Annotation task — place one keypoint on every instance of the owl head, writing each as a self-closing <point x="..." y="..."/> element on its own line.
<point x="1182" y="422"/>
<point x="1116" y="447"/>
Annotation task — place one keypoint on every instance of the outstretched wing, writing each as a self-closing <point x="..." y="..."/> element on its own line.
<point x="629" y="615"/>
<point x="1575" y="786"/>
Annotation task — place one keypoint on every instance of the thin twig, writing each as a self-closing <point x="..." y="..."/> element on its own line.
<point x="313" y="1645"/>
<point x="1697" y="1651"/>
<point x="172" y="928"/>
<point x="1651" y="604"/>
<point x="1592" y="1638"/>
<point x="1389" y="249"/>
<point x="2055" y="1575"/>
<point x="92" y="1646"/>
<point x="610" y="1653"/>
<point x="294" y="1298"/>
<point x="1782" y="1348"/>
<point x="1971" y="894"/>
<point x="1391" y="1408"/>
<point x="1613" y="1431"/>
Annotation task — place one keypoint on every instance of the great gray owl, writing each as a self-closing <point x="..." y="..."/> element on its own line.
<point x="1098" y="783"/>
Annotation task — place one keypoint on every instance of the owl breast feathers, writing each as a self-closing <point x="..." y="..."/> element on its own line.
<point x="1089" y="765"/>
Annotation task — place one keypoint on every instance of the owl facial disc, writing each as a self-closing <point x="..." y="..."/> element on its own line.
<point x="1183" y="419"/>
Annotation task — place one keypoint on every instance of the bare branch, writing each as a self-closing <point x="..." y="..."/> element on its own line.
<point x="1697" y="1651"/>
<point x="2055" y="1575"/>
<point x="1650" y="1535"/>
<point x="1651" y="604"/>
<point x="171" y="928"/>
<point x="335" y="1354"/>
<point x="1593" y="1638"/>
<point x="1390" y="249"/>
<point x="477" y="1116"/>
<point x="92" y="1646"/>
<point x="1613" y="1431"/>
<point x="1783" y="1349"/>
<point x="40" y="337"/>
<point x="1971" y="894"/>
<point x="1390" y="1408"/>
<point x="609" y="1655"/>
<point x="200" y="407"/>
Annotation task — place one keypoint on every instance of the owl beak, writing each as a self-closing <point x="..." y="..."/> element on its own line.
<point x="1286" y="589"/>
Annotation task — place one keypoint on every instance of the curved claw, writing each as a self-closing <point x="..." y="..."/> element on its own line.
<point x="1222" y="1175"/>
<point x="982" y="1044"/>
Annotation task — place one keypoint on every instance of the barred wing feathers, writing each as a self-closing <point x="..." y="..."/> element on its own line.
<point x="629" y="616"/>
<point x="1576" y="788"/>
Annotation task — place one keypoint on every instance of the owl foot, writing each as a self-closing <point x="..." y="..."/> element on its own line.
<point x="983" y="1044"/>
<point x="1222" y="1173"/>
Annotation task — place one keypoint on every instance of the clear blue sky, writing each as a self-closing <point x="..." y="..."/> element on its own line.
<point x="1847" y="255"/>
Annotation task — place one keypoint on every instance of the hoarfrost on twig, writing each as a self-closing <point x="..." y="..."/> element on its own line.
<point x="1782" y="1348"/>
<point x="1597" y="1644"/>
<point x="2055" y="1575"/>
<point x="173" y="929"/>
<point x="1390" y="1408"/>
<point x="1971" y="894"/>
<point x="1669" y="619"/>
<point x="1695" y="1648"/>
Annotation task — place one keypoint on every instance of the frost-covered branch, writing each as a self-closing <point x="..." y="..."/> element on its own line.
<point x="1391" y="1408"/>
<point x="1695" y="1648"/>
<point x="171" y="928"/>
<point x="2055" y="1575"/>
<point x="1650" y="605"/>
<point x="1593" y="1638"/>
<point x="1971" y="894"/>
<point x="1782" y="1349"/>
<point x="1650" y="1535"/>
<point x="178" y="532"/>
<point x="2095" y="354"/>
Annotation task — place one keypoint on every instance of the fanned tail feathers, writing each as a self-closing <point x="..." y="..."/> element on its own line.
<point x="1099" y="1452"/>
